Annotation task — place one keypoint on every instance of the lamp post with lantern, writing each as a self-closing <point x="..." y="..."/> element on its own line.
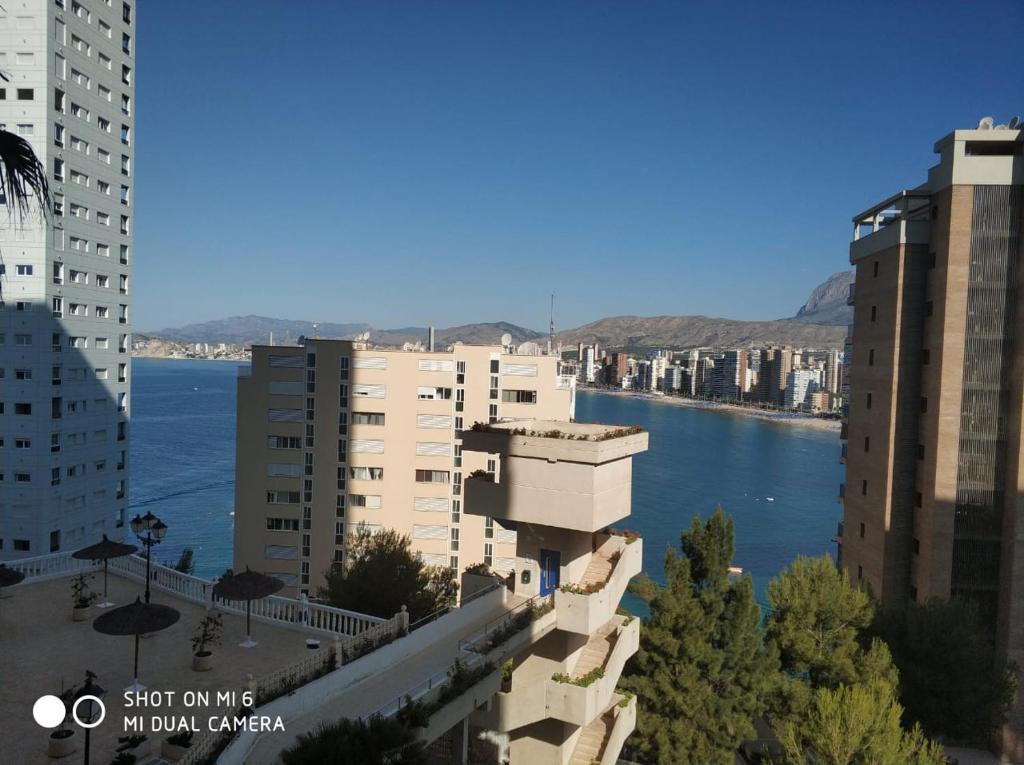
<point x="155" y="530"/>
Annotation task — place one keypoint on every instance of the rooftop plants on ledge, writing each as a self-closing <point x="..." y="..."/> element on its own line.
<point x="608" y="435"/>
<point x="516" y="624"/>
<point x="482" y="475"/>
<point x="626" y="698"/>
<point x="582" y="681"/>
<point x="629" y="536"/>
<point x="575" y="589"/>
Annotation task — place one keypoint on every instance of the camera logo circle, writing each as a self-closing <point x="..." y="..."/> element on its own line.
<point x="90" y="711"/>
<point x="48" y="711"/>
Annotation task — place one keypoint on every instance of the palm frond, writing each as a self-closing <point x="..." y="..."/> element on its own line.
<point x="22" y="175"/>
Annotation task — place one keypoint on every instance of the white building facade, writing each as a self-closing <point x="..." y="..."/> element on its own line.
<point x="65" y="281"/>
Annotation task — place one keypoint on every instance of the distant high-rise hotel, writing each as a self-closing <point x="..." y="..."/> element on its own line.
<point x="332" y="434"/>
<point x="934" y="493"/>
<point x="65" y="347"/>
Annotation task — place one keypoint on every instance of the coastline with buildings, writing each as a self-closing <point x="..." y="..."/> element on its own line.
<point x="801" y="419"/>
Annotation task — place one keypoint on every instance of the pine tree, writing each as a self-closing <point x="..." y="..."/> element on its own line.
<point x="702" y="673"/>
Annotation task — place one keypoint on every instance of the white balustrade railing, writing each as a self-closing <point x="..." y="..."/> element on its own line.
<point x="54" y="566"/>
<point x="298" y="613"/>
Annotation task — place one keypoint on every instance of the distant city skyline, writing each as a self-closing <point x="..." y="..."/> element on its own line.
<point x="371" y="162"/>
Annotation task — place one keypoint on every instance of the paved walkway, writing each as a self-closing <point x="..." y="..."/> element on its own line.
<point x="369" y="695"/>
<point x="42" y="649"/>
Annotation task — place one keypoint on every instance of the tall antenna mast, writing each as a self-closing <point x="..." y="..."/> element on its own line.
<point x="551" y="326"/>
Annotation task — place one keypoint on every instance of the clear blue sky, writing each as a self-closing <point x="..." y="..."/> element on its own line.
<point x="446" y="162"/>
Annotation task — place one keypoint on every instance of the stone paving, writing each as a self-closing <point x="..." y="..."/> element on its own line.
<point x="42" y="649"/>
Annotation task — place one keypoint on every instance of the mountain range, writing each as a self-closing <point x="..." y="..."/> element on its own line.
<point x="820" y="322"/>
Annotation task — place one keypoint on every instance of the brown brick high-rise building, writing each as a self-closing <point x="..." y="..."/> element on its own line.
<point x="934" y="493"/>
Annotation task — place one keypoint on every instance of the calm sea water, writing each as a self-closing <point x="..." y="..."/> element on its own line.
<point x="183" y="454"/>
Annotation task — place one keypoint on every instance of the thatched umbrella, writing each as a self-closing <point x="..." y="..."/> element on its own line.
<point x="9" y="576"/>
<point x="104" y="550"/>
<point x="247" y="586"/>
<point x="136" y="619"/>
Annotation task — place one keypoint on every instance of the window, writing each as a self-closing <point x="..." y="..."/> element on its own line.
<point x="868" y="402"/>
<point x="371" y="501"/>
<point x="126" y="13"/>
<point x="867" y="443"/>
<point x="864" y="488"/>
<point x="871" y="357"/>
<point x="282" y="524"/>
<point x="367" y="418"/>
<point x="918" y="499"/>
<point x="929" y="308"/>
<point x="920" y="451"/>
<point x="282" y="498"/>
<point x="454" y="544"/>
<point x="104" y="156"/>
<point x="23" y="270"/>
<point x="126" y="105"/>
<point x="874" y="312"/>
<point x="924" y="404"/>
<point x="125" y="199"/>
<point x="488" y="554"/>
<point x="126" y="135"/>
<point x="519" y="396"/>
<point x="58" y="169"/>
<point x="874" y="269"/>
<point x="25" y="94"/>
<point x="22" y="339"/>
<point x="23" y="443"/>
<point x="58" y="100"/>
<point x="932" y="259"/>
<point x="106" y="95"/>
<point x="433" y="394"/>
<point x="26" y="129"/>
<point x="126" y="43"/>
<point x="367" y="473"/>
<point x="432" y="476"/>
<point x="22" y="545"/>
<point x="103" y="250"/>
<point x="126" y="74"/>
<point x="58" y="135"/>
<point x="284" y="442"/>
<point x="105" y="29"/>
<point x="23" y="408"/>
<point x="126" y="163"/>
<point x="80" y="111"/>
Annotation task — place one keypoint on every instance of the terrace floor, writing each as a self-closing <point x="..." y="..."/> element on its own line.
<point x="41" y="649"/>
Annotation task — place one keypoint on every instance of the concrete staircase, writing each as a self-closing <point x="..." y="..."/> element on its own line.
<point x="597" y="650"/>
<point x="591" y="742"/>
<point x="598" y="571"/>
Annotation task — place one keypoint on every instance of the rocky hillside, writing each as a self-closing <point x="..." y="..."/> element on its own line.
<point x="618" y="332"/>
<point x="827" y="303"/>
<point x="249" y="330"/>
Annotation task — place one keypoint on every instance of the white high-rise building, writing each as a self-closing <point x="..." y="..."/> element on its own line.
<point x="65" y="281"/>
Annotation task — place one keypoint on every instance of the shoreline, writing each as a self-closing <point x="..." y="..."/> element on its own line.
<point x="187" y="358"/>
<point x="765" y="415"/>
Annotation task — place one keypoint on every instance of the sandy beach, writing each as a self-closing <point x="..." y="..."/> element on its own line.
<point x="783" y="418"/>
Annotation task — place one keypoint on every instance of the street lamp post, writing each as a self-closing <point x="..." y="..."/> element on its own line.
<point x="88" y="709"/>
<point x="154" y="530"/>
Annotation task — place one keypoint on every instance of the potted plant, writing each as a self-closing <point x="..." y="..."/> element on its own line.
<point x="207" y="634"/>
<point x="124" y="758"/>
<point x="64" y="741"/>
<point x="175" y="747"/>
<point x="81" y="597"/>
<point x="137" y="746"/>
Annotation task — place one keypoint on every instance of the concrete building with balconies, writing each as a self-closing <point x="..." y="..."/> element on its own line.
<point x="561" y="486"/>
<point x="934" y="496"/>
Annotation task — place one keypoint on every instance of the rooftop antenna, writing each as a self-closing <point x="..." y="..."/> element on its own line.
<point x="985" y="123"/>
<point x="1014" y="123"/>
<point x="551" y="326"/>
<point x="506" y="341"/>
<point x="271" y="337"/>
<point x="316" y="327"/>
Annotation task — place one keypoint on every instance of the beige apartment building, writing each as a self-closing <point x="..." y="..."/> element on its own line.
<point x="934" y="492"/>
<point x="333" y="434"/>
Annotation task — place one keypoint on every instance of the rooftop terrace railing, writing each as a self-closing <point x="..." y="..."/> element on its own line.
<point x="291" y="612"/>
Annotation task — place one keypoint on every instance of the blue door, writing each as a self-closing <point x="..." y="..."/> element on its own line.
<point x="550" y="560"/>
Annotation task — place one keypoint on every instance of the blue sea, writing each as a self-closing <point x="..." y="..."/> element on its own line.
<point x="183" y="456"/>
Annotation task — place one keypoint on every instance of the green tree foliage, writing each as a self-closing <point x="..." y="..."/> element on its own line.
<point x="383" y="574"/>
<point x="186" y="561"/>
<point x="943" y="653"/>
<point x="855" y="724"/>
<point x="702" y="673"/>
<point x="381" y="741"/>
<point x="816" y="620"/>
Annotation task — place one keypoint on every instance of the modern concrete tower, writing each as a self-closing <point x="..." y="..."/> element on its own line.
<point x="332" y="435"/>
<point x="934" y="493"/>
<point x="562" y="485"/>
<point x="65" y="280"/>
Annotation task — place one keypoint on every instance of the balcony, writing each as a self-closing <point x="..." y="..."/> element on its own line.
<point x="901" y="219"/>
<point x="601" y="741"/>
<point x="569" y="699"/>
<point x="850" y="294"/>
<point x="586" y="607"/>
<point x="569" y="475"/>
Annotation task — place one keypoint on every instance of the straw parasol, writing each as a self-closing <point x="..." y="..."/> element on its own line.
<point x="247" y="586"/>
<point x="104" y="550"/>
<point x="9" y="576"/>
<point x="136" y="619"/>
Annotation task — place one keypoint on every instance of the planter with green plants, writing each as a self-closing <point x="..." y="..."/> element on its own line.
<point x="82" y="598"/>
<point x="207" y="634"/>
<point x="138" y="746"/>
<point x="175" y="747"/>
<point x="124" y="758"/>
<point x="64" y="741"/>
